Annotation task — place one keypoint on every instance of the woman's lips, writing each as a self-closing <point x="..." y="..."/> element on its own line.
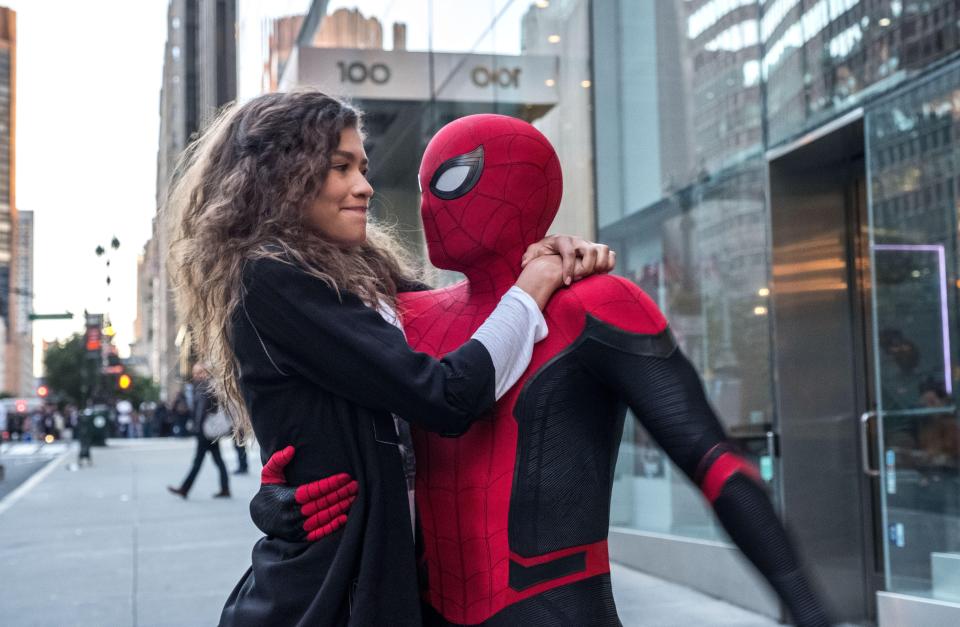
<point x="360" y="209"/>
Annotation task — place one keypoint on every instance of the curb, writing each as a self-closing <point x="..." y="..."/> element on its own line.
<point x="20" y="491"/>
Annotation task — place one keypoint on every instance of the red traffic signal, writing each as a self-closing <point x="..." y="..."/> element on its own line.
<point x="93" y="339"/>
<point x="43" y="391"/>
<point x="124" y="381"/>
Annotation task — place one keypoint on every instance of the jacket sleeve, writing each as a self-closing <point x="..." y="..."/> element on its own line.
<point x="332" y="339"/>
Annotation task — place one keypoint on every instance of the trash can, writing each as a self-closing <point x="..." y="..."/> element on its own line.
<point x="95" y="425"/>
<point x="101" y="427"/>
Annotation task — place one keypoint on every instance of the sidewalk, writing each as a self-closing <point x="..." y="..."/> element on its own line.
<point x="108" y="545"/>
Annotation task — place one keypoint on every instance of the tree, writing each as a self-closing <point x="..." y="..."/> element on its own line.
<point x="141" y="389"/>
<point x="73" y="376"/>
<point x="70" y="373"/>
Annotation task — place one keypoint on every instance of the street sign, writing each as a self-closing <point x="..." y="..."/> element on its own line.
<point x="60" y="316"/>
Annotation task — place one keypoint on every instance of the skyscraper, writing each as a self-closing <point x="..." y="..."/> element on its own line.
<point x="199" y="76"/>
<point x="8" y="205"/>
<point x="22" y="339"/>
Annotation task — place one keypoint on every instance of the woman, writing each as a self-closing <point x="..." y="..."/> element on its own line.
<point x="290" y="294"/>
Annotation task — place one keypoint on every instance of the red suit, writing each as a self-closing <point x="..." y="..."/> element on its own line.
<point x="465" y="485"/>
<point x="514" y="513"/>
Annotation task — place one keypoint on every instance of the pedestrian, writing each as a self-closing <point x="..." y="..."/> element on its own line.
<point x="71" y="416"/>
<point x="291" y="295"/>
<point x="181" y="415"/>
<point x="48" y="424"/>
<point x="163" y="419"/>
<point x="136" y="424"/>
<point x="85" y="434"/>
<point x="125" y="419"/>
<point x="148" y="420"/>
<point x="59" y="423"/>
<point x="241" y="448"/>
<point x="205" y="404"/>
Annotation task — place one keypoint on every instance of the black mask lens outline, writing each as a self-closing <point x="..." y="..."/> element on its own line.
<point x="473" y="160"/>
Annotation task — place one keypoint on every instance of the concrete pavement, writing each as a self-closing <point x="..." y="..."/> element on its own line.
<point x="108" y="546"/>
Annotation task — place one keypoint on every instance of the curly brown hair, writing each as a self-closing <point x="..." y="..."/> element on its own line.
<point x="239" y="193"/>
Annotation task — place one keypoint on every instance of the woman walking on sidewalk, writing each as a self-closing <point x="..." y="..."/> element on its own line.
<point x="204" y="404"/>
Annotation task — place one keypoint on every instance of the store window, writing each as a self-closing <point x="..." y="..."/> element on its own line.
<point x="681" y="193"/>
<point x="913" y="171"/>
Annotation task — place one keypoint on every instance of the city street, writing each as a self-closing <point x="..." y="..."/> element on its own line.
<point x="107" y="545"/>
<point x="762" y="198"/>
<point x="21" y="459"/>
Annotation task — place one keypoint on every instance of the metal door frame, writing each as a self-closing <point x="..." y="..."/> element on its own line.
<point x="843" y="138"/>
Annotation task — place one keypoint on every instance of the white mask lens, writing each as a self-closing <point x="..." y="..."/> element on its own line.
<point x="452" y="178"/>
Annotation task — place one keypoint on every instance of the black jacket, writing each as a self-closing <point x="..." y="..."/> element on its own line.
<point x="323" y="372"/>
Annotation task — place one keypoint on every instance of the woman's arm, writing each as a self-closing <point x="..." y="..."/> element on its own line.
<point x="334" y="340"/>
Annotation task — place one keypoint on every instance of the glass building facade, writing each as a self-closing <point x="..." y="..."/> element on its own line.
<point x="703" y="109"/>
<point x="781" y="177"/>
<point x="912" y="139"/>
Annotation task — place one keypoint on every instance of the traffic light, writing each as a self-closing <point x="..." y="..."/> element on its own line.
<point x="93" y="340"/>
<point x="93" y="337"/>
<point x="43" y="391"/>
<point x="124" y="381"/>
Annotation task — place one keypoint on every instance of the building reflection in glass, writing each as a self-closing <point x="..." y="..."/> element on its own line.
<point x="689" y="222"/>
<point x="823" y="57"/>
<point x="913" y="174"/>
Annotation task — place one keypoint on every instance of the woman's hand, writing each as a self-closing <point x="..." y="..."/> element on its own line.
<point x="579" y="258"/>
<point x="541" y="277"/>
<point x="308" y="512"/>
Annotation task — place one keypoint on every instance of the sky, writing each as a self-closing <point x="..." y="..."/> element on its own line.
<point x="88" y="93"/>
<point x="88" y="81"/>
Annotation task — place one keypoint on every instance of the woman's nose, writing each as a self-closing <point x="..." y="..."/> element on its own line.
<point x="363" y="188"/>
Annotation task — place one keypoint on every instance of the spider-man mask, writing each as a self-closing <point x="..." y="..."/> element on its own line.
<point x="491" y="186"/>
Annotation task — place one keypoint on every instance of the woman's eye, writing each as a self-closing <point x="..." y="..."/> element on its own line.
<point x="342" y="167"/>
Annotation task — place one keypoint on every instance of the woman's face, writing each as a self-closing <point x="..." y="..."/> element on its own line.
<point x="339" y="212"/>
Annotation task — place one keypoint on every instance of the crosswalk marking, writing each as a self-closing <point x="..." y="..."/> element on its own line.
<point x="22" y="449"/>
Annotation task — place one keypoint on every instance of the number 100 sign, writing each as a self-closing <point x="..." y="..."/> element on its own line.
<point x="358" y="72"/>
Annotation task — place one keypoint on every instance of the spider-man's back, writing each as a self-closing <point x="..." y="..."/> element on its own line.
<point x="514" y="513"/>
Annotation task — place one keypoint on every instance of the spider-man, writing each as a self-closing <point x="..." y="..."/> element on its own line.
<point x="514" y="513"/>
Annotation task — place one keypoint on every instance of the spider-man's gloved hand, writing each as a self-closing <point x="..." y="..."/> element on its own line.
<point x="308" y="512"/>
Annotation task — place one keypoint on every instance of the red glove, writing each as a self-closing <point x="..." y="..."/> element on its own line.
<point x="308" y="512"/>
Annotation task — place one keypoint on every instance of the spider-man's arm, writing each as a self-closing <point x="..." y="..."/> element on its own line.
<point x="627" y="344"/>
<point x="308" y="512"/>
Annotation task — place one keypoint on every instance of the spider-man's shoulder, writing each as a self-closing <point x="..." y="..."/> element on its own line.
<point x="416" y="303"/>
<point x="609" y="298"/>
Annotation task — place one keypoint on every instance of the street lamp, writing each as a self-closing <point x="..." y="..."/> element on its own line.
<point x="101" y="251"/>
